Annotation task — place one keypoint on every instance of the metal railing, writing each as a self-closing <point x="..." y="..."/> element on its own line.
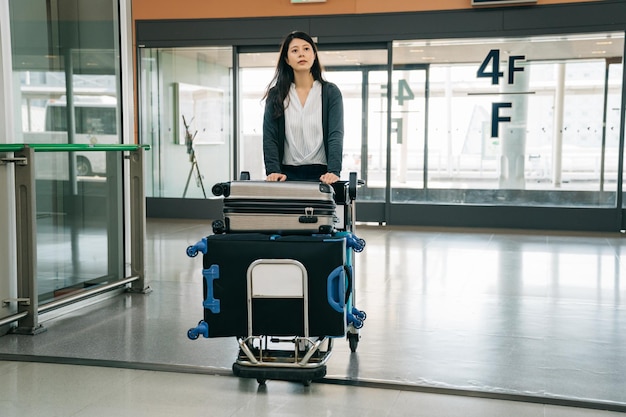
<point x="28" y="307"/>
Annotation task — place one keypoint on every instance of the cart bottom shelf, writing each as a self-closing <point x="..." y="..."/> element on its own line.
<point x="263" y="373"/>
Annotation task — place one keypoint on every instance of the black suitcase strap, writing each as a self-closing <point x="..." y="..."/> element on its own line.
<point x="260" y="202"/>
<point x="280" y="210"/>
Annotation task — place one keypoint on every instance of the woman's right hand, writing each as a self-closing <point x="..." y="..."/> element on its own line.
<point x="275" y="176"/>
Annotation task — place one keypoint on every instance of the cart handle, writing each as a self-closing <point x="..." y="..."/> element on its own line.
<point x="336" y="288"/>
<point x="352" y="186"/>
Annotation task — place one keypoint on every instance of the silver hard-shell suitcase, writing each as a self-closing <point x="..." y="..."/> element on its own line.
<point x="276" y="207"/>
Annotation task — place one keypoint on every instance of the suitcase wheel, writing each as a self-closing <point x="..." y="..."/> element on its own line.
<point x="192" y="252"/>
<point x="355" y="320"/>
<point x="360" y="314"/>
<point x="326" y="229"/>
<point x="201" y="329"/>
<point x="218" y="227"/>
<point x="221" y="188"/>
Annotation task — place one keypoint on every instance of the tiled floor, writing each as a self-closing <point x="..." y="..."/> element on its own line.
<point x="530" y="322"/>
<point x="54" y="390"/>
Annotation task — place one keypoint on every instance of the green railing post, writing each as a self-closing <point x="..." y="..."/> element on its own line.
<point x="115" y="214"/>
<point x="26" y="228"/>
<point x="138" y="220"/>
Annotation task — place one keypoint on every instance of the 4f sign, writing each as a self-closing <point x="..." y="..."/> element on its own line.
<point x="490" y="68"/>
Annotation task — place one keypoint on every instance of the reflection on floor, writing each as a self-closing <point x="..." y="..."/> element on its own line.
<point x="503" y="314"/>
<point x="70" y="257"/>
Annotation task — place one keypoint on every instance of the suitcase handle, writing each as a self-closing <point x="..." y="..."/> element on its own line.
<point x="211" y="303"/>
<point x="336" y="288"/>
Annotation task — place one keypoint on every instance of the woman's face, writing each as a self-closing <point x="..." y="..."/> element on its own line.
<point x="300" y="55"/>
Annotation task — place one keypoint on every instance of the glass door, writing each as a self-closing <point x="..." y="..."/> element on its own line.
<point x="408" y="137"/>
<point x="364" y="92"/>
<point x="361" y="75"/>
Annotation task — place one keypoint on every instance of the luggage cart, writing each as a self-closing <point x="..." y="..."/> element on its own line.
<point x="269" y="348"/>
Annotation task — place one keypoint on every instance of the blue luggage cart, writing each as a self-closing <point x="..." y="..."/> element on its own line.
<point x="285" y="298"/>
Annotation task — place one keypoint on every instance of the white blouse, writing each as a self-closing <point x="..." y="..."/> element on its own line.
<point x="303" y="128"/>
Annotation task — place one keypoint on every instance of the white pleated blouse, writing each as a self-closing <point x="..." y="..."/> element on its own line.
<point x="303" y="128"/>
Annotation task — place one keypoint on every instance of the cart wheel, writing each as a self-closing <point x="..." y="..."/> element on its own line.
<point x="261" y="381"/>
<point x="306" y="382"/>
<point x="353" y="341"/>
<point x="191" y="334"/>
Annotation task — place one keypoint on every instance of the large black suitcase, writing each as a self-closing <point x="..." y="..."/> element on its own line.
<point x="292" y="207"/>
<point x="237" y="305"/>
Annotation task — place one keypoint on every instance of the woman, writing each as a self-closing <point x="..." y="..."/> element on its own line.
<point x="303" y="119"/>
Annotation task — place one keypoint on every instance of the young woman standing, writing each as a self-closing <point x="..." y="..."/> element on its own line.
<point x="303" y="119"/>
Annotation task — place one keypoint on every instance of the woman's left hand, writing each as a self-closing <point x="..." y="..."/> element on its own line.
<point x="329" y="178"/>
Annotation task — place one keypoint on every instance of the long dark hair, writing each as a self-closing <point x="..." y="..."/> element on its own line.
<point x="278" y="88"/>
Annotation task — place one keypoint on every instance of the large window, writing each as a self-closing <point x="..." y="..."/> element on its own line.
<point x="525" y="121"/>
<point x="186" y="117"/>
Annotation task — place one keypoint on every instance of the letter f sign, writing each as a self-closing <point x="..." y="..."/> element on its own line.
<point x="496" y="118"/>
